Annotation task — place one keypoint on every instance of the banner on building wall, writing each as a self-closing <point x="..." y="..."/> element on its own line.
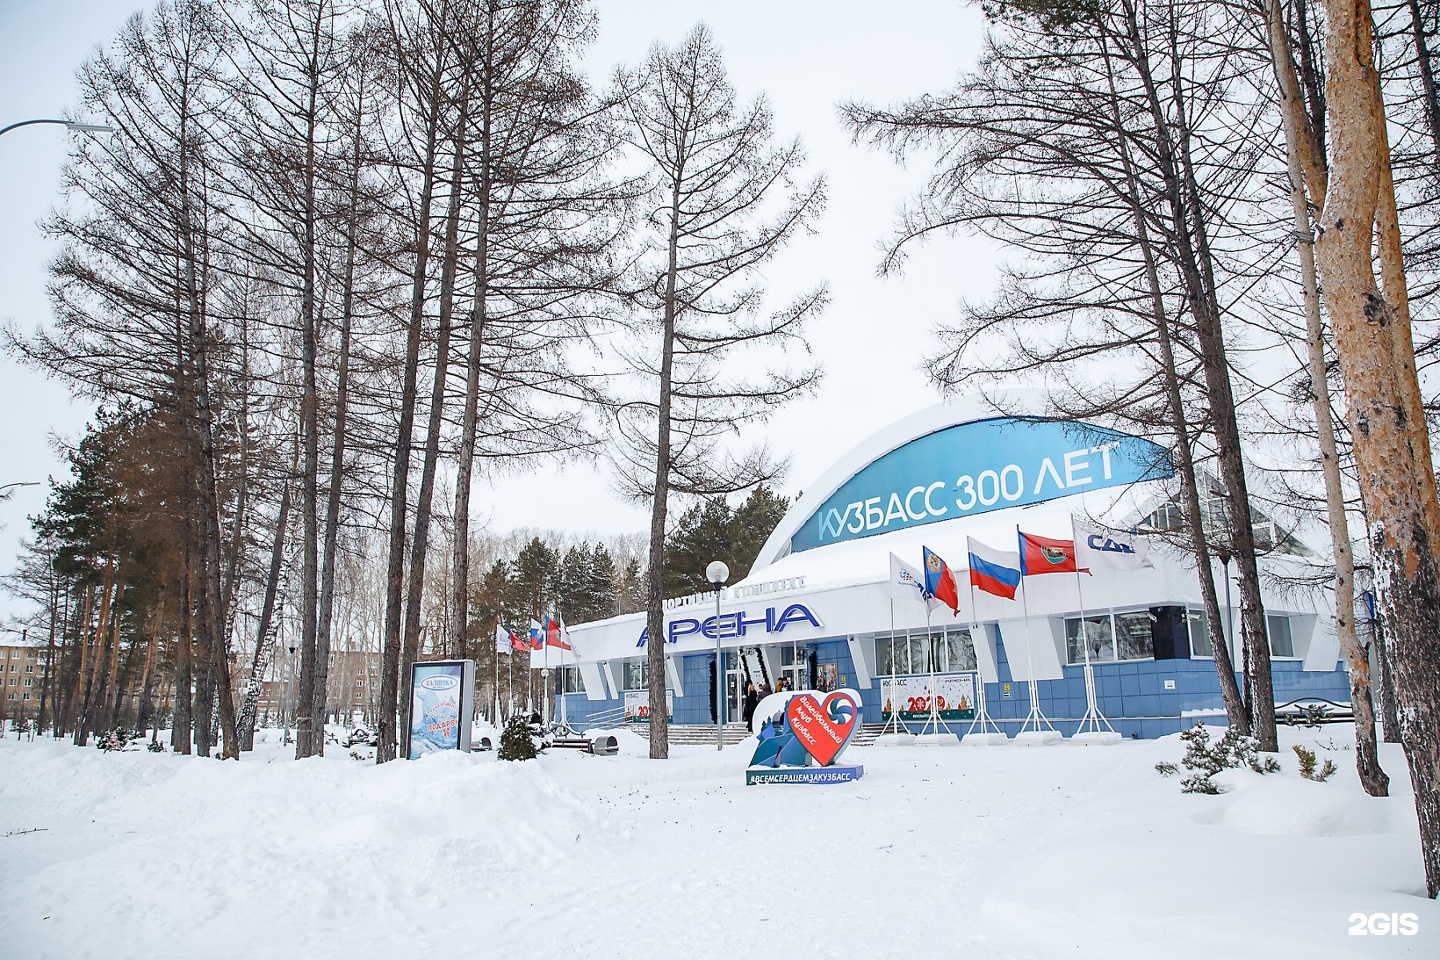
<point x="973" y="468"/>
<point x="954" y="694"/>
<point x="637" y="706"/>
<point x="442" y="703"/>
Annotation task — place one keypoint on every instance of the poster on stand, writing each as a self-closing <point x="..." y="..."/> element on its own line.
<point x="954" y="693"/>
<point x="637" y="706"/>
<point x="442" y="705"/>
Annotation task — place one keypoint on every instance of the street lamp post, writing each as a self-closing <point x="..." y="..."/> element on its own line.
<point x="70" y="125"/>
<point x="717" y="573"/>
<point x="289" y="676"/>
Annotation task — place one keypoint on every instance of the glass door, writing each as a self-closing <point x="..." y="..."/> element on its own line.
<point x="734" y="687"/>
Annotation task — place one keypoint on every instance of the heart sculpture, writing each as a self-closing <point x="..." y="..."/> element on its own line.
<point x="824" y="729"/>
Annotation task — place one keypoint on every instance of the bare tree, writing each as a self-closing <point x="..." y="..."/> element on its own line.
<point x="724" y="202"/>
<point x="1305" y="166"/>
<point x="1370" y="321"/>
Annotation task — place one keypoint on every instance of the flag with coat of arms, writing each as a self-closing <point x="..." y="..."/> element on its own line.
<point x="1045" y="555"/>
<point x="940" y="582"/>
<point x="555" y="633"/>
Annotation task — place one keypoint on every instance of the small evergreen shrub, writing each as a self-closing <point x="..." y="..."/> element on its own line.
<point x="1166" y="769"/>
<point x="114" y="740"/>
<point x="1307" y="765"/>
<point x="155" y="746"/>
<point x="515" y="742"/>
<point x="1230" y="752"/>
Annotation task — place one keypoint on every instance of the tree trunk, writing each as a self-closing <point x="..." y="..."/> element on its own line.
<point x="267" y="616"/>
<point x="1391" y="441"/>
<point x="337" y="451"/>
<point x="659" y="504"/>
<point x="420" y="542"/>
<point x="1192" y="257"/>
<point x="180" y="717"/>
<point x="48" y="675"/>
<point x="399" y="483"/>
<point x="469" y="426"/>
<point x="309" y="728"/>
<point x="1235" y="713"/>
<point x="1297" y="143"/>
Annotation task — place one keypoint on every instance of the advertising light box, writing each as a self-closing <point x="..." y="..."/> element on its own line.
<point x="977" y="467"/>
<point x="442" y="704"/>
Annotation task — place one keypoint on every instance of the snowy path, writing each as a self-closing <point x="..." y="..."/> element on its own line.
<point x="1007" y="852"/>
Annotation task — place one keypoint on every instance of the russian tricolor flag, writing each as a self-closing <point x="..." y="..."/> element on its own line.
<point x="993" y="571"/>
<point x="537" y="636"/>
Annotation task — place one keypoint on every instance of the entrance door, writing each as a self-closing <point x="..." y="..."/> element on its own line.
<point x="734" y="687"/>
<point x="795" y="667"/>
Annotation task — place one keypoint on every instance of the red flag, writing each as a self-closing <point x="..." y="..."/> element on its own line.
<point x="940" y="582"/>
<point x="1044" y="555"/>
<point x="553" y="630"/>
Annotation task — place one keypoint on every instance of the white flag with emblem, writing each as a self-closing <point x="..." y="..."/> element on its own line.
<point x="906" y="583"/>
<point x="1098" y="547"/>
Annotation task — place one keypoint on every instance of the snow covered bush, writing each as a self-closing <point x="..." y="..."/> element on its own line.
<point x="114" y="740"/>
<point x="1230" y="752"/>
<point x="515" y="742"/>
<point x="1307" y="765"/>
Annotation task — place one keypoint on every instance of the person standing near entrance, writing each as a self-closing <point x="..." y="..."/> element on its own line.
<point x="752" y="697"/>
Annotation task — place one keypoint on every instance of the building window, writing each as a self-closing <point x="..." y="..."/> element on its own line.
<point x="9" y="696"/>
<point x="1199" y="634"/>
<point x="1099" y="637"/>
<point x="1134" y="639"/>
<point x="29" y="668"/>
<point x="948" y="651"/>
<point x="14" y="682"/>
<point x="1282" y="644"/>
<point x="25" y="696"/>
<point x="570" y="681"/>
<point x="1111" y="637"/>
<point x="635" y="674"/>
<point x="30" y="655"/>
<point x="28" y="682"/>
<point x="359" y="683"/>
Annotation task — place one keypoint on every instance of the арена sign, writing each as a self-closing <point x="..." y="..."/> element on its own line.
<point x="977" y="467"/>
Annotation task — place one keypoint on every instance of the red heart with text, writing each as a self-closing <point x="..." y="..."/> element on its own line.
<point x="823" y="729"/>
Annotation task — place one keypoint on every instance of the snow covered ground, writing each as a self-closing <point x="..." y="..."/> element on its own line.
<point x="1004" y="852"/>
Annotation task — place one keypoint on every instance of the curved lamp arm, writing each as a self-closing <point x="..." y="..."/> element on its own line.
<point x="70" y="125"/>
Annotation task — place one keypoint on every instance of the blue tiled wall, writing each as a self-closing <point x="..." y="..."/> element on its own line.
<point x="1131" y="695"/>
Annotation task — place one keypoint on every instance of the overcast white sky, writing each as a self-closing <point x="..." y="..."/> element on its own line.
<point x="808" y="55"/>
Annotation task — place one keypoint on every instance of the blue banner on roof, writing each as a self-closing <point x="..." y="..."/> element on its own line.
<point x="977" y="467"/>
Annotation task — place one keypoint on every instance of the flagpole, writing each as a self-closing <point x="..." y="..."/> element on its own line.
<point x="894" y="720"/>
<point x="982" y="715"/>
<point x="564" y="700"/>
<point x="934" y="719"/>
<point x="1093" y="716"/>
<point x="1035" y="714"/>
